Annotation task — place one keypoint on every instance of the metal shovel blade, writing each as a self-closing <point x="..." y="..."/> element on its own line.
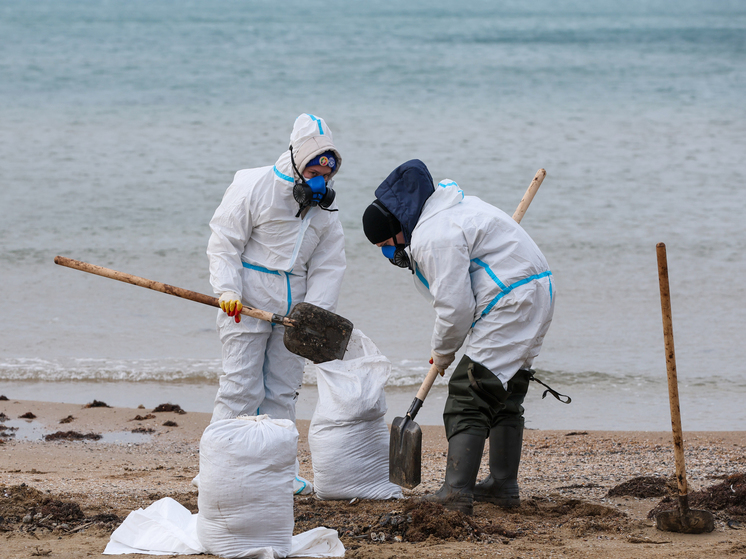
<point x="696" y="522"/>
<point x="685" y="520"/>
<point x="405" y="452"/>
<point x="318" y="334"/>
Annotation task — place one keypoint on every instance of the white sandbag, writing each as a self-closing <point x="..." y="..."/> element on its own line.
<point x="348" y="437"/>
<point x="246" y="472"/>
<point x="301" y="486"/>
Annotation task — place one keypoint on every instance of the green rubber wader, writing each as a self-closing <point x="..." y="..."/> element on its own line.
<point x="477" y="400"/>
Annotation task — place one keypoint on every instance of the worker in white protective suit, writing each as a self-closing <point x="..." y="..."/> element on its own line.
<point x="276" y="241"/>
<point x="488" y="281"/>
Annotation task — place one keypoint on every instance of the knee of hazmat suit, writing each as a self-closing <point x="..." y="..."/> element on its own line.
<point x="481" y="271"/>
<point x="270" y="254"/>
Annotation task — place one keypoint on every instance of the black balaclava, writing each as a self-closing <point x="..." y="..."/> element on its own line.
<point x="379" y="224"/>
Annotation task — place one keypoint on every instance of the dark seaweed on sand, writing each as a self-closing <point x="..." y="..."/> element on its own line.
<point x="176" y="408"/>
<point x="727" y="497"/>
<point x="644" y="487"/>
<point x="97" y="404"/>
<point x="71" y="436"/>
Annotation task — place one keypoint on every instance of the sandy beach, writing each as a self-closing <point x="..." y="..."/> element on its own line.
<point x="584" y="493"/>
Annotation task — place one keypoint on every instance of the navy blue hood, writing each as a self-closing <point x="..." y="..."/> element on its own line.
<point x="404" y="193"/>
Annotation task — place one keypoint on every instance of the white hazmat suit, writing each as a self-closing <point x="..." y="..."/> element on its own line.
<point x="482" y="272"/>
<point x="486" y="279"/>
<point x="272" y="259"/>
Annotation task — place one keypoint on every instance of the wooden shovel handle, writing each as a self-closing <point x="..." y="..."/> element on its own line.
<point x="673" y="385"/>
<point x="530" y="193"/>
<point x="432" y="374"/>
<point x="165" y="288"/>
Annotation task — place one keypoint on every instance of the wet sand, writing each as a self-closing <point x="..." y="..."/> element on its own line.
<point x="565" y="479"/>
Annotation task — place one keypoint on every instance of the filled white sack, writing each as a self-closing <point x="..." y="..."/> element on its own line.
<point x="348" y="436"/>
<point x="246" y="472"/>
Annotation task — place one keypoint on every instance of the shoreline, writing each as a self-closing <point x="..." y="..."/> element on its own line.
<point x="558" y="466"/>
<point x="591" y="408"/>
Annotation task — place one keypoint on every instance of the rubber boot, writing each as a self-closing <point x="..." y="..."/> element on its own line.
<point x="501" y="486"/>
<point x="462" y="468"/>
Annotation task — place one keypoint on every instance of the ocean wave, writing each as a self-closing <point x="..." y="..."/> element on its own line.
<point x="404" y="374"/>
<point x="199" y="370"/>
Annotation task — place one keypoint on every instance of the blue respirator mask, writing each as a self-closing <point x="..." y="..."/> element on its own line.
<point x="397" y="256"/>
<point x="311" y="192"/>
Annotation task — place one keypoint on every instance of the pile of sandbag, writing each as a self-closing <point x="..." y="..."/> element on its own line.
<point x="348" y="436"/>
<point x="248" y="466"/>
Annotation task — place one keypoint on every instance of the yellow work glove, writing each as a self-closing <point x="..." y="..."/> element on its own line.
<point x="442" y="361"/>
<point x="231" y="304"/>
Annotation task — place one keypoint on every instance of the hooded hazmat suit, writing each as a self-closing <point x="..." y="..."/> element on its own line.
<point x="272" y="259"/>
<point x="483" y="274"/>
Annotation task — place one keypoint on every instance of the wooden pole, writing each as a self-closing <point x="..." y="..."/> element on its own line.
<point x="673" y="385"/>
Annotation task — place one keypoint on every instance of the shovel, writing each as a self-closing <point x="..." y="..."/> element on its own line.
<point x="684" y="519"/>
<point x="405" y="442"/>
<point x="311" y="332"/>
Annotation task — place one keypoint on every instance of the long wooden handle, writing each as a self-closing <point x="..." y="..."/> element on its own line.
<point x="673" y="385"/>
<point x="530" y="193"/>
<point x="165" y="288"/>
<point x="432" y="374"/>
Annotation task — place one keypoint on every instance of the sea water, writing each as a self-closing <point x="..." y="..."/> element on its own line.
<point x="122" y="124"/>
